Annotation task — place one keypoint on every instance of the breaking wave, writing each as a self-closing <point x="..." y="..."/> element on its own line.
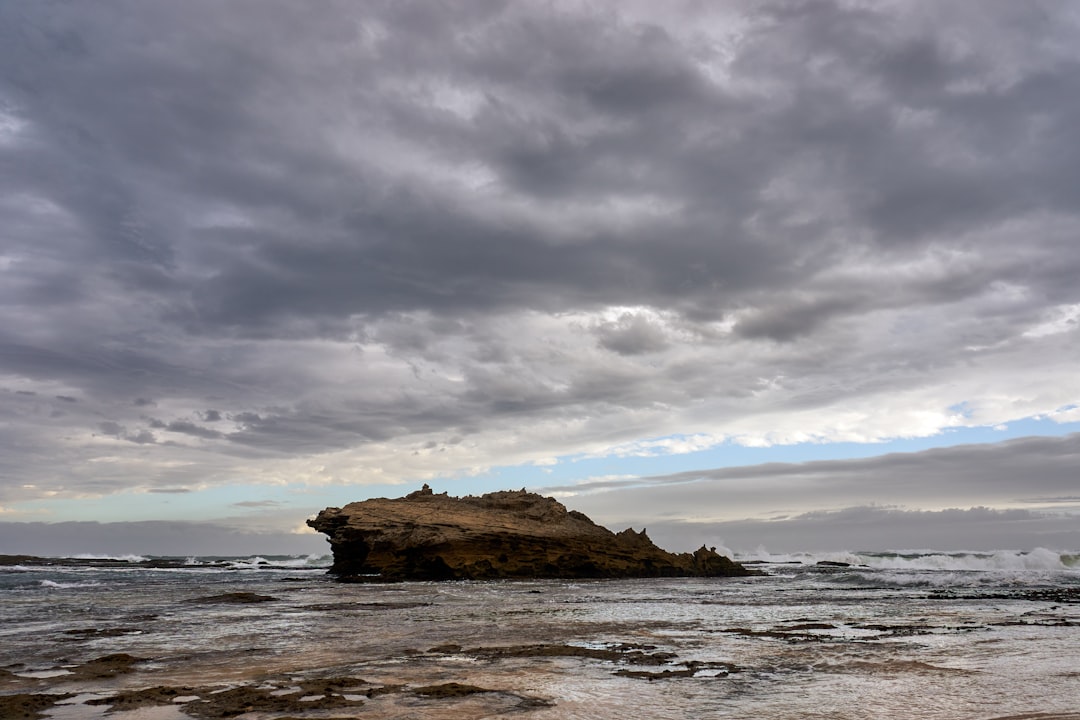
<point x="1039" y="559"/>
<point x="67" y="585"/>
<point x="260" y="562"/>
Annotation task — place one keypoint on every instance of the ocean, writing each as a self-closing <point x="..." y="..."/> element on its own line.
<point x="913" y="635"/>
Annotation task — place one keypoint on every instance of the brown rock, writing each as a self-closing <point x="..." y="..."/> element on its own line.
<point x="106" y="666"/>
<point x="28" y="706"/>
<point x="508" y="534"/>
<point x="451" y="689"/>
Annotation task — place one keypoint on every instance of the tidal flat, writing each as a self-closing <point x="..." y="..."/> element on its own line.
<point x="275" y="639"/>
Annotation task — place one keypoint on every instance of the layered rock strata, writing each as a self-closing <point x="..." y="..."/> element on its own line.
<point x="509" y="534"/>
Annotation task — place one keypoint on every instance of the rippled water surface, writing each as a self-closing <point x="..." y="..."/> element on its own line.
<point x="806" y="641"/>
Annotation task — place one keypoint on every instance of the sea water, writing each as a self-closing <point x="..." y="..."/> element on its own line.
<point x="915" y="634"/>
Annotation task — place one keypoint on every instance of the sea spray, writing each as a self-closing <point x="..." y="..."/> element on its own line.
<point x="963" y="560"/>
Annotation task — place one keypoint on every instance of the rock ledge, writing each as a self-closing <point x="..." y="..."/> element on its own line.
<point x="508" y="534"/>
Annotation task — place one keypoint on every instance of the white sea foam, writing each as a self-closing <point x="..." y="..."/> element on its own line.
<point x="276" y="562"/>
<point x="1039" y="559"/>
<point x="63" y="586"/>
<point x="250" y="562"/>
<point x="799" y="558"/>
<point x="131" y="557"/>
<point x="44" y="674"/>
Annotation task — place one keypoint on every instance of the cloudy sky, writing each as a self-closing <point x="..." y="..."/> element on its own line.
<point x="793" y="274"/>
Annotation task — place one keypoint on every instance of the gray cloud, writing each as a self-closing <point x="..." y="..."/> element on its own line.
<point x="189" y="428"/>
<point x="116" y="430"/>
<point x="149" y="538"/>
<point x="1029" y="479"/>
<point x="961" y="468"/>
<point x="875" y="528"/>
<point x="631" y="335"/>
<point x="333" y="237"/>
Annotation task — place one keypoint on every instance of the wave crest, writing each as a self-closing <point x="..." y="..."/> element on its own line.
<point x="1039" y="559"/>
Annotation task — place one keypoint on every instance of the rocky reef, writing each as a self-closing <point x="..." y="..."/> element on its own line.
<point x="508" y="534"/>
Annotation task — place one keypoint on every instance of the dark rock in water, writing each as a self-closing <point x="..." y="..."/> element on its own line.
<point x="11" y="560"/>
<point x="232" y="598"/>
<point x="29" y="706"/>
<point x="833" y="564"/>
<point x="143" y="697"/>
<point x="1063" y="595"/>
<point x="243" y="700"/>
<point x="335" y="607"/>
<point x="449" y="690"/>
<point x="688" y="669"/>
<point x="106" y="666"/>
<point x="623" y="653"/>
<point x="424" y="536"/>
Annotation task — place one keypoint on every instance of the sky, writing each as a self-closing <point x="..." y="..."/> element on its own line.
<point x="761" y="274"/>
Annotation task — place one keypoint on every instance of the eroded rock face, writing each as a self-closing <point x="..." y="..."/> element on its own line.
<point x="424" y="536"/>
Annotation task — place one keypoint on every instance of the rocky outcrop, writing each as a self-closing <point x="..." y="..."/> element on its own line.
<point x="428" y="536"/>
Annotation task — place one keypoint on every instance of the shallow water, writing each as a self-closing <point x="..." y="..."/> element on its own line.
<point x="901" y="639"/>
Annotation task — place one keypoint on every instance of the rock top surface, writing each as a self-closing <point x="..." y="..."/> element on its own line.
<point x="507" y="534"/>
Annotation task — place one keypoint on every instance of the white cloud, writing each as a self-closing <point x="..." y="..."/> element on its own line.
<point x="1061" y="319"/>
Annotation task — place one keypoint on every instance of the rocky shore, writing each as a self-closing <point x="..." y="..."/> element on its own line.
<point x="501" y="535"/>
<point x="306" y="694"/>
<point x="210" y="644"/>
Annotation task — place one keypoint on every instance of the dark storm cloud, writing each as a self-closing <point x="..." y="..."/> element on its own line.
<point x="214" y="111"/>
<point x="311" y="231"/>
<point x="631" y="335"/>
<point x="790" y="320"/>
<point x="187" y="427"/>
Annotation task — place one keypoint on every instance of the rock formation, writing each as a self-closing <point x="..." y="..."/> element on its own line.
<point x="425" y="536"/>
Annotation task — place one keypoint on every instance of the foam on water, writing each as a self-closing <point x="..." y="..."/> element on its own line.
<point x="131" y="557"/>
<point x="1040" y="559"/>
<point x="67" y="585"/>
<point x="1037" y="559"/>
<point x="260" y="562"/>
